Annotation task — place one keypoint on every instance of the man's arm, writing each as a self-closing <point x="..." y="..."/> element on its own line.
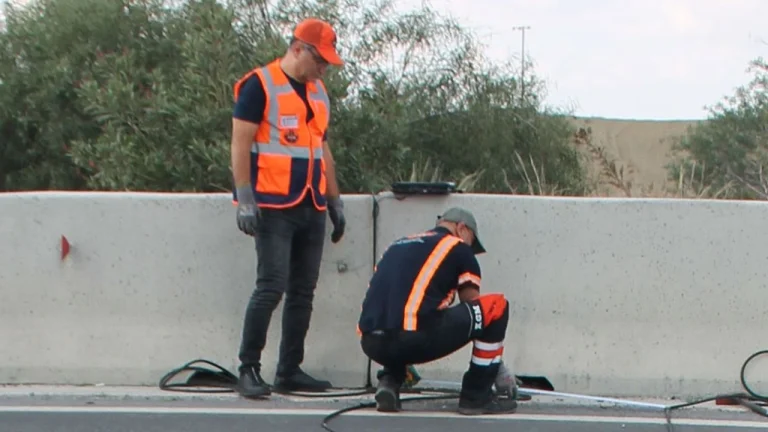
<point x="332" y="188"/>
<point x="247" y="115"/>
<point x="468" y="291"/>
<point x="248" y="112"/>
<point x="240" y="147"/>
<point x="333" y="195"/>
<point x="469" y="274"/>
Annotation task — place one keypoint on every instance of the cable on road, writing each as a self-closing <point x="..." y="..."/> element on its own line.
<point x="223" y="381"/>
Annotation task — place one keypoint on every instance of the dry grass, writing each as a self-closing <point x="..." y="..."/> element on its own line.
<point x="426" y="171"/>
<point x="625" y="158"/>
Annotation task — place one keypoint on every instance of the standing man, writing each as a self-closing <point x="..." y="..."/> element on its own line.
<point x="407" y="319"/>
<point x="285" y="182"/>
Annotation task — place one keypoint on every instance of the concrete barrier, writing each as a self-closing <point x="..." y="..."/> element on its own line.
<point x="154" y="281"/>
<point x="622" y="297"/>
<point x="612" y="297"/>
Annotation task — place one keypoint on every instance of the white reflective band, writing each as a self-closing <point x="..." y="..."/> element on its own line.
<point x="273" y="109"/>
<point x="319" y="96"/>
<point x="485" y="346"/>
<point x="485" y="361"/>
<point x="279" y="149"/>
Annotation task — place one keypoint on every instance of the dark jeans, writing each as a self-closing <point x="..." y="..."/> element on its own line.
<point x="455" y="327"/>
<point x="289" y="248"/>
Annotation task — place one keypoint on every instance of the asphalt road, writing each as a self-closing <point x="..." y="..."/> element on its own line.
<point x="38" y="411"/>
<point x="123" y="422"/>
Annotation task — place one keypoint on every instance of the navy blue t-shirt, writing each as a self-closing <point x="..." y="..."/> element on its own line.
<point x="252" y="100"/>
<point x="416" y="278"/>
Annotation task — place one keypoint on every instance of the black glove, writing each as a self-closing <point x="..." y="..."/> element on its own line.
<point x="336" y="213"/>
<point x="247" y="211"/>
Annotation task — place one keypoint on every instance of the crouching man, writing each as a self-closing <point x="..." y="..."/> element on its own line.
<point x="407" y="319"/>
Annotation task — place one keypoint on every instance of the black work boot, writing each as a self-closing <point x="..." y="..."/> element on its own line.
<point x="388" y="395"/>
<point x="491" y="406"/>
<point x="299" y="381"/>
<point x="251" y="385"/>
<point x="477" y="397"/>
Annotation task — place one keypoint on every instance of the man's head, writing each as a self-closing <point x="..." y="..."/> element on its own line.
<point x="462" y="223"/>
<point x="312" y="49"/>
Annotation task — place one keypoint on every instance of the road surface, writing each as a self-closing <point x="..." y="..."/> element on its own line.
<point x="91" y="409"/>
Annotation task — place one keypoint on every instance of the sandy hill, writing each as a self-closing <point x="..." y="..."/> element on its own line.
<point x="641" y="147"/>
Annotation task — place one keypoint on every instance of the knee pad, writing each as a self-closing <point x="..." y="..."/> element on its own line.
<point x="493" y="307"/>
<point x="489" y="314"/>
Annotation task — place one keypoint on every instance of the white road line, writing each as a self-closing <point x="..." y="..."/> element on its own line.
<point x="372" y="413"/>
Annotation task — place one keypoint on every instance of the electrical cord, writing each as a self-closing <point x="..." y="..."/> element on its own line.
<point x="749" y="398"/>
<point x="223" y="381"/>
<point x="448" y="395"/>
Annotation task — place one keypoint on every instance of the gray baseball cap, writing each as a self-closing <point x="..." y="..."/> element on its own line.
<point x="458" y="214"/>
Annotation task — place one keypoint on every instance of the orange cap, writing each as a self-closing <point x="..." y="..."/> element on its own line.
<point x="320" y="35"/>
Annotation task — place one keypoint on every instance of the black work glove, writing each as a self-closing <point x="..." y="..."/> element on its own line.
<point x="336" y="213"/>
<point x="247" y="211"/>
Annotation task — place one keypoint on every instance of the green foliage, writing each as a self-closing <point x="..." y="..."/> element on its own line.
<point x="727" y="156"/>
<point x="138" y="96"/>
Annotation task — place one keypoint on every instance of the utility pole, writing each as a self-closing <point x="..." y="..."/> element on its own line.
<point x="522" y="61"/>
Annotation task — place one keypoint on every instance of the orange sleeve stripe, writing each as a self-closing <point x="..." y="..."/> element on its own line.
<point x="448" y="299"/>
<point x="419" y="288"/>
<point x="469" y="277"/>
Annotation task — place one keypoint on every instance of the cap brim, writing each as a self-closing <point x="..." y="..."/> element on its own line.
<point x="330" y="55"/>
<point x="478" y="247"/>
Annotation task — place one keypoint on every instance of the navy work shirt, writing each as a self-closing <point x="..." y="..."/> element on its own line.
<point x="417" y="276"/>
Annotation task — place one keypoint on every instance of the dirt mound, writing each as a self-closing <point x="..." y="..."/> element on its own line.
<point x="630" y="156"/>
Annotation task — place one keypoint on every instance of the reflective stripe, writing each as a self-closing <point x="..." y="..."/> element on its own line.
<point x="320" y="95"/>
<point x="480" y="361"/>
<point x="484" y="353"/>
<point x="419" y="288"/>
<point x="279" y="149"/>
<point x="469" y="277"/>
<point x="273" y="114"/>
<point x="273" y="108"/>
<point x="487" y="346"/>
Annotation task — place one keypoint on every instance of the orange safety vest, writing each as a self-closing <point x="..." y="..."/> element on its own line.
<point x="287" y="152"/>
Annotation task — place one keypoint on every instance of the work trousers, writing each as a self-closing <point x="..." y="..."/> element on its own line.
<point x="482" y="321"/>
<point x="289" y="248"/>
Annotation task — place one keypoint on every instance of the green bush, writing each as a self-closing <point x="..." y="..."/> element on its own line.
<point x="727" y="156"/>
<point x="137" y="95"/>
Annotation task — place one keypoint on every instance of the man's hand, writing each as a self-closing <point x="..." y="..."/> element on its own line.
<point x="506" y="382"/>
<point x="336" y="213"/>
<point x="247" y="211"/>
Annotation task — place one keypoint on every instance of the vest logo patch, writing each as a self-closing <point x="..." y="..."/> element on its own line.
<point x="290" y="136"/>
<point x="288" y="122"/>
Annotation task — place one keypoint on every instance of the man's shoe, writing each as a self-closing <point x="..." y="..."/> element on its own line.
<point x="493" y="406"/>
<point x="387" y="398"/>
<point x="300" y="381"/>
<point x="251" y="385"/>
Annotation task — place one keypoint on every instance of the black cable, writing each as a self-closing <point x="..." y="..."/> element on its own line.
<point x="746" y="399"/>
<point x="331" y="416"/>
<point x="224" y="381"/>
<point x="755" y="395"/>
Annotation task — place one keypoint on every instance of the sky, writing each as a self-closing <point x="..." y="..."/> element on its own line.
<point x="626" y="59"/>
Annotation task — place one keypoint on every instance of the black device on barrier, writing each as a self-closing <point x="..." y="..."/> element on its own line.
<point x="423" y="188"/>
